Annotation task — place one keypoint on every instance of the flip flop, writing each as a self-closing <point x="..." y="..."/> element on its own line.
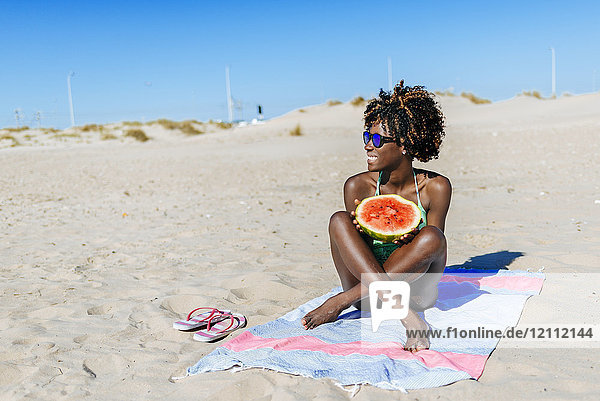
<point x="200" y="320"/>
<point x="215" y="330"/>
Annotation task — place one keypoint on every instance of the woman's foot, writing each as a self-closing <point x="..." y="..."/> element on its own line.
<point x="417" y="340"/>
<point x="327" y="312"/>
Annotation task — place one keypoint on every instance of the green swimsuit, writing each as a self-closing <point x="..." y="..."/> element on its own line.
<point x="383" y="250"/>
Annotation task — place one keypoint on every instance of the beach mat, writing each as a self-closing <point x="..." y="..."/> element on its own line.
<point x="349" y="353"/>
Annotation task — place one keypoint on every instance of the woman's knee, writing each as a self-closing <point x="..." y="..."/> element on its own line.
<point x="432" y="238"/>
<point x="338" y="220"/>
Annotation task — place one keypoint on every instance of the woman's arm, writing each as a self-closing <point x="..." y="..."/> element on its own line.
<point x="356" y="187"/>
<point x="439" y="191"/>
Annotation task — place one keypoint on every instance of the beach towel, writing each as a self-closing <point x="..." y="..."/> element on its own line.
<point x="349" y="353"/>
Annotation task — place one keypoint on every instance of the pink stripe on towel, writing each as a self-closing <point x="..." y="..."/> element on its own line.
<point x="473" y="364"/>
<point x="513" y="283"/>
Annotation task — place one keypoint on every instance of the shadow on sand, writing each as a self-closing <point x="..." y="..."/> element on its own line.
<point x="490" y="261"/>
<point x="466" y="287"/>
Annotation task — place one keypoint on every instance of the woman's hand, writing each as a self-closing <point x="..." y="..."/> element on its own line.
<point x="353" y="214"/>
<point x="406" y="238"/>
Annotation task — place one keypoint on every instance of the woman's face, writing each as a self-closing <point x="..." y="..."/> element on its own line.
<point x="387" y="157"/>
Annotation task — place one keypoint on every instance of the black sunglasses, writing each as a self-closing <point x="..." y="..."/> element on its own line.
<point x="377" y="139"/>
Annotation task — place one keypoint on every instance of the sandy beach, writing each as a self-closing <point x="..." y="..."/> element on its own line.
<point x="104" y="243"/>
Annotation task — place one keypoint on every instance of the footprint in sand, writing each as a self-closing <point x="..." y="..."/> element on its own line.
<point x="34" y="335"/>
<point x="81" y="339"/>
<point x="273" y="310"/>
<point x="42" y="348"/>
<point x="147" y="316"/>
<point x="266" y="290"/>
<point x="105" y="365"/>
<point x="51" y="313"/>
<point x="11" y="374"/>
<point x="106" y="309"/>
<point x="183" y="304"/>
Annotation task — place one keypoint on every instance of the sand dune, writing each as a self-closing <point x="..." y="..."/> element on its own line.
<point x="105" y="243"/>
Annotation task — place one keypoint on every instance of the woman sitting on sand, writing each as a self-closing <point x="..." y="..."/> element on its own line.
<point x="403" y="125"/>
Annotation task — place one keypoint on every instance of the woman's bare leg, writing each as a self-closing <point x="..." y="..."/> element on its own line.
<point x="351" y="257"/>
<point x="426" y="253"/>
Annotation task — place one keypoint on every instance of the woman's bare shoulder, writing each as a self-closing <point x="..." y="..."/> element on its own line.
<point x="432" y="178"/>
<point x="359" y="186"/>
<point x="434" y="184"/>
<point x="361" y="182"/>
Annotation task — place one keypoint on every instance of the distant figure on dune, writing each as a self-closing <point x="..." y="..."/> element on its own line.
<point x="400" y="126"/>
<point x="260" y="113"/>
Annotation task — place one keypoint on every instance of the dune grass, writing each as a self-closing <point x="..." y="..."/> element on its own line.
<point x="166" y="124"/>
<point x="7" y="137"/>
<point x="67" y="135"/>
<point x="192" y="121"/>
<point x="534" y="94"/>
<point x="187" y="128"/>
<point x="445" y="93"/>
<point x="220" y="124"/>
<point x="107" y="136"/>
<point x="357" y="101"/>
<point x="333" y="102"/>
<point x="467" y="95"/>
<point x="131" y="124"/>
<point x="296" y="131"/>
<point x="475" y="99"/>
<point x="537" y="95"/>
<point x="20" y="129"/>
<point x="91" y="127"/>
<point x="137" y="134"/>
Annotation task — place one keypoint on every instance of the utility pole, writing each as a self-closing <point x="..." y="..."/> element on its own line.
<point x="18" y="117"/>
<point x="229" y="100"/>
<point x="38" y="118"/>
<point x="553" y="72"/>
<point x="390" y="74"/>
<point x="70" y="97"/>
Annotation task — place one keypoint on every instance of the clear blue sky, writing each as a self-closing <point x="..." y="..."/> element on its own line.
<point x="137" y="60"/>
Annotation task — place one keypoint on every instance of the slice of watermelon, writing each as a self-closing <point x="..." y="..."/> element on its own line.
<point x="387" y="217"/>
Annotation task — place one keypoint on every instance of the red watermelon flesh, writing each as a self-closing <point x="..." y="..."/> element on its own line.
<point x="387" y="217"/>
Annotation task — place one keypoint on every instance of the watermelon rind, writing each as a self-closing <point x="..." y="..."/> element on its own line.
<point x="388" y="237"/>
